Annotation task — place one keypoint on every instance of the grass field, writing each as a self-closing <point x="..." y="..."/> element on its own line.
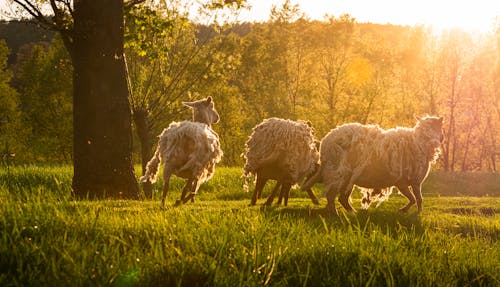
<point x="47" y="239"/>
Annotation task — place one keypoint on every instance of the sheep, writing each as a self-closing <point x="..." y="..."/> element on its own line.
<point x="189" y="149"/>
<point x="373" y="158"/>
<point x="284" y="194"/>
<point x="281" y="150"/>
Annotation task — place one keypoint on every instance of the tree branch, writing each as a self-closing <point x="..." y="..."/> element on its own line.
<point x="130" y="3"/>
<point x="35" y="12"/>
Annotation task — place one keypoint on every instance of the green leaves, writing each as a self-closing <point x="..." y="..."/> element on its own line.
<point x="45" y="80"/>
<point x="221" y="4"/>
<point x="147" y="33"/>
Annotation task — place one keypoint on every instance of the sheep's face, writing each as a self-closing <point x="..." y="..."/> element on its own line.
<point x="204" y="111"/>
<point x="431" y="128"/>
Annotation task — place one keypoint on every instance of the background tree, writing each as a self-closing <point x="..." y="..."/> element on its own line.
<point x="334" y="52"/>
<point x="43" y="79"/>
<point x="271" y="68"/>
<point x="171" y="59"/>
<point x="453" y="57"/>
<point x="10" y="117"/>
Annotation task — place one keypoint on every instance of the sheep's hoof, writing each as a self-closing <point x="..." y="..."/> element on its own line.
<point x="315" y="201"/>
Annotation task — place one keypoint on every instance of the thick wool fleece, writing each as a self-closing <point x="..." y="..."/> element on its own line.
<point x="292" y="142"/>
<point x="354" y="151"/>
<point x="176" y="141"/>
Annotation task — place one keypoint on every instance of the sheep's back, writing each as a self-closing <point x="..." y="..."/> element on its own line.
<point x="351" y="140"/>
<point x="365" y="150"/>
<point x="185" y="140"/>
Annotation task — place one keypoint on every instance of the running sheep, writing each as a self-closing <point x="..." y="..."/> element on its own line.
<point x="189" y="149"/>
<point x="377" y="159"/>
<point x="281" y="150"/>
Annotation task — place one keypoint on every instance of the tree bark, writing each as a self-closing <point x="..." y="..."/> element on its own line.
<point x="102" y="117"/>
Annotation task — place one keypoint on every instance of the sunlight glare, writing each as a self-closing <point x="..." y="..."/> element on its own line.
<point x="477" y="15"/>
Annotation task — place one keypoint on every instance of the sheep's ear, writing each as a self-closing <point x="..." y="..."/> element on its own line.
<point x="188" y="104"/>
<point x="208" y="100"/>
<point x="417" y="118"/>
<point x="441" y="119"/>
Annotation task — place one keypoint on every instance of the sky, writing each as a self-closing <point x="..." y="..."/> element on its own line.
<point x="470" y="15"/>
<point x="476" y="15"/>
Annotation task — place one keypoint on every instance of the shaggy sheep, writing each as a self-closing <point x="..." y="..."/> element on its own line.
<point x="284" y="194"/>
<point x="373" y="158"/>
<point x="281" y="150"/>
<point x="190" y="150"/>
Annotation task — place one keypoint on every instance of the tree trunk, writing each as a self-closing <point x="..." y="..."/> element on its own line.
<point x="102" y="118"/>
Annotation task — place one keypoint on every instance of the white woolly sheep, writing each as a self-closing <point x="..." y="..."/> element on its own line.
<point x="281" y="150"/>
<point x="370" y="157"/>
<point x="285" y="193"/>
<point x="189" y="149"/>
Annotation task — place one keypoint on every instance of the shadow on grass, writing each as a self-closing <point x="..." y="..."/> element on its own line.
<point x="387" y="221"/>
<point x="483" y="211"/>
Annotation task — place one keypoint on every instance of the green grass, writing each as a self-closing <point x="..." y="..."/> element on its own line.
<point x="47" y="239"/>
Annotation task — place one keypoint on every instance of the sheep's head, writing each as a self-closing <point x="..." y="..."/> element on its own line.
<point x="431" y="129"/>
<point x="204" y="111"/>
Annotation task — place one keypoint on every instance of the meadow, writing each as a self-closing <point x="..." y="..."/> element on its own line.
<point x="48" y="239"/>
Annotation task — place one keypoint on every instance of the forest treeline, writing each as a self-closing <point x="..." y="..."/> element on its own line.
<point x="329" y="72"/>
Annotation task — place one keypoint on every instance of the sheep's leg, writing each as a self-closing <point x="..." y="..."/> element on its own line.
<point x="284" y="193"/>
<point x="167" y="173"/>
<point x="280" y="198"/>
<point x="285" y="190"/>
<point x="187" y="188"/>
<point x="259" y="185"/>
<point x="417" y="191"/>
<point x="194" y="190"/>
<point x="406" y="192"/>
<point x="345" y="193"/>
<point x="271" y="196"/>
<point x="309" y="182"/>
<point x="330" y="196"/>
<point x="316" y="177"/>
<point x="313" y="197"/>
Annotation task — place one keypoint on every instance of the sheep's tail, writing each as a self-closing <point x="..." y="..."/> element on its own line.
<point x="152" y="167"/>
